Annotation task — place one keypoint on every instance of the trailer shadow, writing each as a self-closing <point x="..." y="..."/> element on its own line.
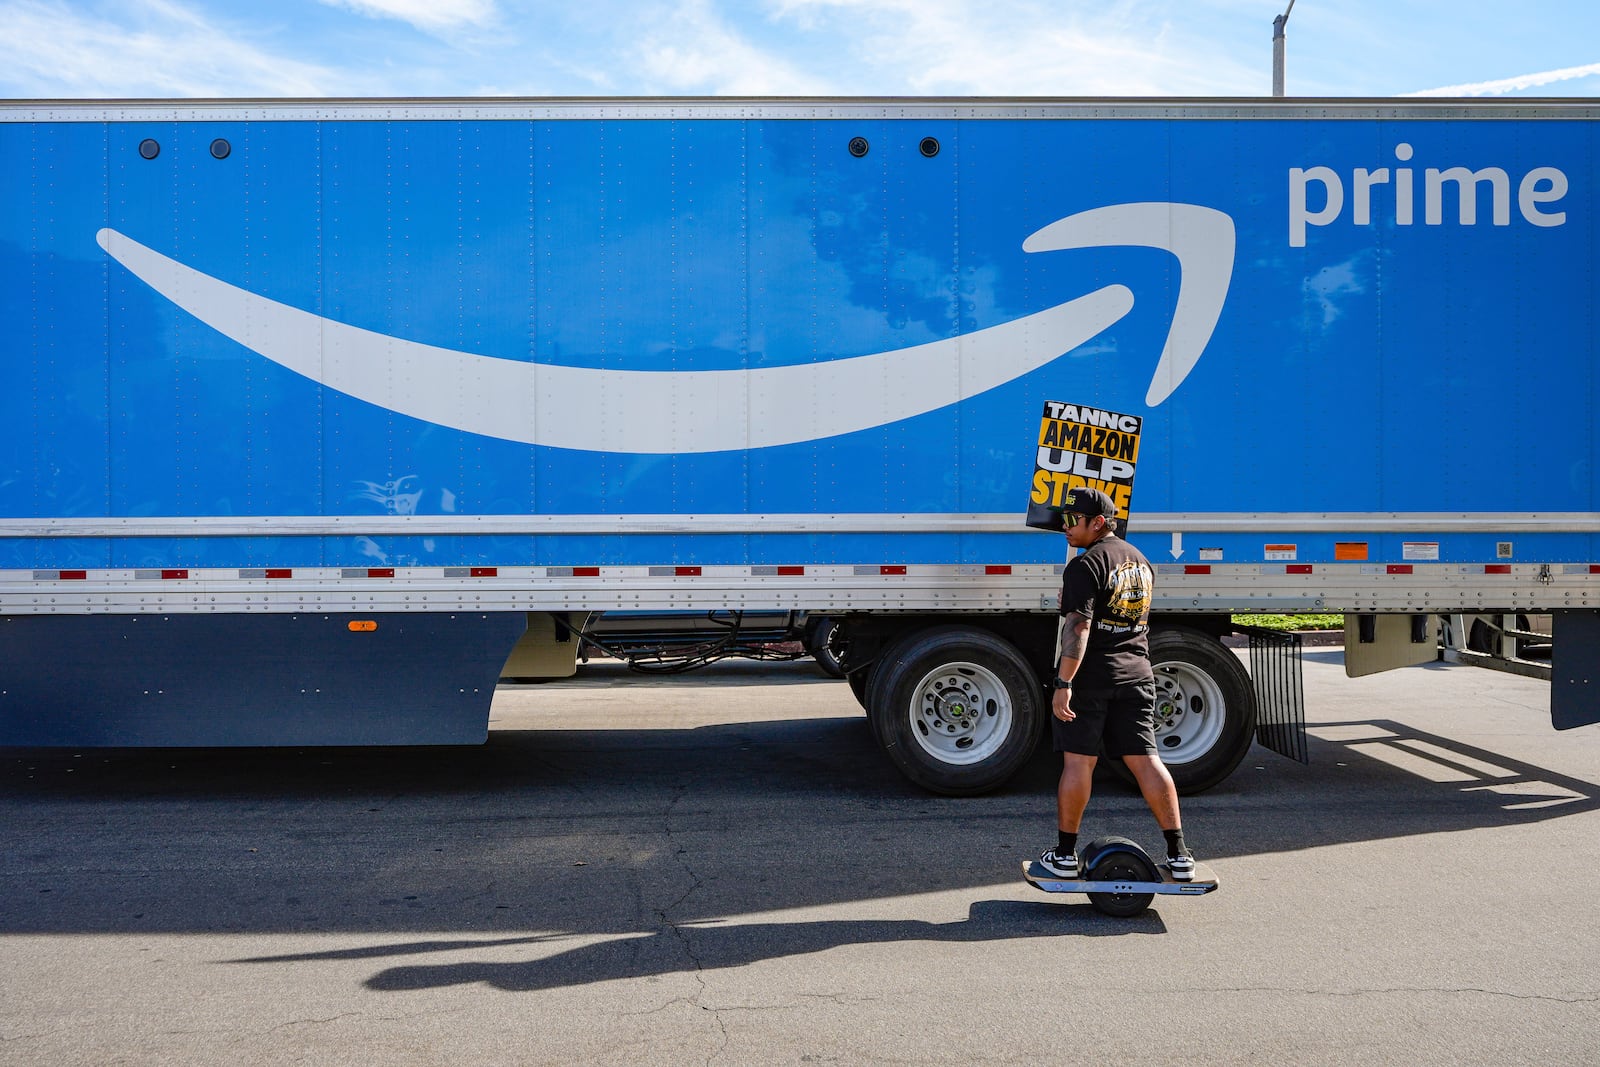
<point x="652" y="851"/>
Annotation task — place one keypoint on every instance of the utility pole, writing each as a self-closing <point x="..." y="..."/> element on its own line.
<point x="1277" y="50"/>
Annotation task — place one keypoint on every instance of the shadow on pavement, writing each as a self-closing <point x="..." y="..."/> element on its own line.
<point x="673" y="846"/>
<point x="677" y="948"/>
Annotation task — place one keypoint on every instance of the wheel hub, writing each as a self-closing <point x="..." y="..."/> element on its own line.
<point x="1189" y="712"/>
<point x="961" y="713"/>
<point x="1169" y="707"/>
<point x="949" y="706"/>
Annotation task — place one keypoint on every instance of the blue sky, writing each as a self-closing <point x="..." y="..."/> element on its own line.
<point x="269" y="48"/>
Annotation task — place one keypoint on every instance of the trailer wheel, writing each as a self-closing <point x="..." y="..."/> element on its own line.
<point x="957" y="710"/>
<point x="1205" y="708"/>
<point x="824" y="639"/>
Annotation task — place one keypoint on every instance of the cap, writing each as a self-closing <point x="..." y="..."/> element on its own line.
<point x="1086" y="501"/>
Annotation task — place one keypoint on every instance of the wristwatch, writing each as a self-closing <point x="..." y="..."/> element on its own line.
<point x="1062" y="683"/>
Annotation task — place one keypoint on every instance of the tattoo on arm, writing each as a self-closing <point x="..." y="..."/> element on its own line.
<point x="1074" y="637"/>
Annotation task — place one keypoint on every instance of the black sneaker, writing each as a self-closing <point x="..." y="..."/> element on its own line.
<point x="1182" y="867"/>
<point x="1060" y="866"/>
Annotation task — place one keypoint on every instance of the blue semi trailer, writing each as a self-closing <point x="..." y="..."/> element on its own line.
<point x="320" y="417"/>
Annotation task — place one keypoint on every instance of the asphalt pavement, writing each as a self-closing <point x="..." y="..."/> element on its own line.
<point x="720" y="868"/>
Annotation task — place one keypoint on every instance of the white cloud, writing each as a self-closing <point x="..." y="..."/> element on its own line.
<point x="1520" y="83"/>
<point x="430" y="16"/>
<point x="1015" y="47"/>
<point x="691" y="49"/>
<point x="155" y="48"/>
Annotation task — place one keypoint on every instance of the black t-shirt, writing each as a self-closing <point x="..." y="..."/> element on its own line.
<point x="1110" y="583"/>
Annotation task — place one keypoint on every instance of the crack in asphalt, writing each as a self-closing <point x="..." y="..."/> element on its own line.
<point x="664" y="914"/>
<point x="4" y="1039"/>
<point x="316" y="1022"/>
<point x="793" y="1004"/>
<point x="841" y="999"/>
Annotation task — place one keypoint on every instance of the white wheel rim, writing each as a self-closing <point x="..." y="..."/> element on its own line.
<point x="961" y="713"/>
<point x="1190" y="711"/>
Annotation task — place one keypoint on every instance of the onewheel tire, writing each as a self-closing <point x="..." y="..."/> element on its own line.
<point x="1117" y="859"/>
<point x="957" y="710"/>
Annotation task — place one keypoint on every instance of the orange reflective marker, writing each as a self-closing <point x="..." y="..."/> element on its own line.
<point x="362" y="626"/>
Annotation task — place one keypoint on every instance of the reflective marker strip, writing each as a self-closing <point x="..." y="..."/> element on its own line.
<point x="519" y="576"/>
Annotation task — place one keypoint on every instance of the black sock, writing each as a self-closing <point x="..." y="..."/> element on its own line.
<point x="1066" y="844"/>
<point x="1175" y="846"/>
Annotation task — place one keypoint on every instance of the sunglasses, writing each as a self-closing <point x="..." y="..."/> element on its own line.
<point x="1072" y="519"/>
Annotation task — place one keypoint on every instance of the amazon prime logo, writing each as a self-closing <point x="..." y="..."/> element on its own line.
<point x="1396" y="195"/>
<point x="665" y="412"/>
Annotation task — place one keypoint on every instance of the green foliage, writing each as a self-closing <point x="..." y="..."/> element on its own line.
<point x="1292" y="622"/>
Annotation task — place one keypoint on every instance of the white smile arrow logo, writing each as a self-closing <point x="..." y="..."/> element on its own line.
<point x="712" y="411"/>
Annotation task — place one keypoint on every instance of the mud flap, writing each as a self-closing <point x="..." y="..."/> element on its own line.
<point x="1575" y="669"/>
<point x="404" y="678"/>
<point x="1276" y="676"/>
<point x="1377" y="643"/>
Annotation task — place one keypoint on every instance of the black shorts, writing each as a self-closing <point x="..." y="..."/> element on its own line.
<point x="1113" y="722"/>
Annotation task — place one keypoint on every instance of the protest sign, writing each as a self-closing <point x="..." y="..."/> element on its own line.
<point x="1082" y="446"/>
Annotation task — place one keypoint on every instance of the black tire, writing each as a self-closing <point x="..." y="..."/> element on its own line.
<point x="1205" y="708"/>
<point x="958" y="710"/>
<point x="1483" y="638"/>
<point x="1115" y="859"/>
<point x="1528" y="647"/>
<point x="824" y="639"/>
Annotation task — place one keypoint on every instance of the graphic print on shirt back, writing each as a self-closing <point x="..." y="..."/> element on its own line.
<point x="1131" y="585"/>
